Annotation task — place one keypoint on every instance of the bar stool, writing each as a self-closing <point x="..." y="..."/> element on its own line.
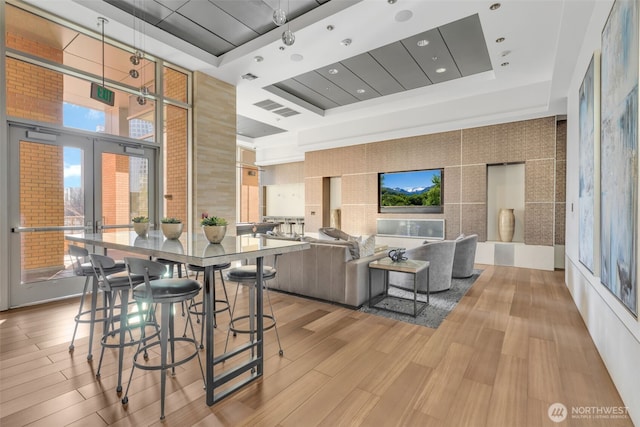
<point x="82" y="267"/>
<point x="247" y="275"/>
<point x="197" y="307"/>
<point x="114" y="285"/>
<point x="166" y="292"/>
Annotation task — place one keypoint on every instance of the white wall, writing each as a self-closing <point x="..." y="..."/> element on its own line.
<point x="285" y="199"/>
<point x="615" y="332"/>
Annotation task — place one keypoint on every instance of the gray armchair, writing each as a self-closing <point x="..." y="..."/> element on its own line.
<point x="440" y="255"/>
<point x="465" y="256"/>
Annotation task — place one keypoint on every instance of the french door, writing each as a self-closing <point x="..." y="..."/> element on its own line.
<point x="62" y="183"/>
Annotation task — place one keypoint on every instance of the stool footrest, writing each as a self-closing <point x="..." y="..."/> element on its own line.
<point x="232" y="328"/>
<point x="144" y="349"/>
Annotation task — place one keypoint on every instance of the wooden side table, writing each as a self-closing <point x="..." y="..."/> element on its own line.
<point x="411" y="266"/>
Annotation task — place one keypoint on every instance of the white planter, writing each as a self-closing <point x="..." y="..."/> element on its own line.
<point x="214" y="233"/>
<point x="171" y="231"/>
<point x="141" y="228"/>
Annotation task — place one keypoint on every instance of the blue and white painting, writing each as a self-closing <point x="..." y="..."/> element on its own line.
<point x="619" y="153"/>
<point x="586" y="199"/>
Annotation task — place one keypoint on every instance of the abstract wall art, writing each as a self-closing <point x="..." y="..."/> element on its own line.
<point x="589" y="158"/>
<point x="619" y="153"/>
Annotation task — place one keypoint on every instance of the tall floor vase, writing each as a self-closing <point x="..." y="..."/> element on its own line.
<point x="506" y="224"/>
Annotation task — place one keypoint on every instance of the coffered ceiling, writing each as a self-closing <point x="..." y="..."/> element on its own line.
<point x="356" y="72"/>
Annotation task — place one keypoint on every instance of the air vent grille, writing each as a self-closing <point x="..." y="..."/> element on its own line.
<point x="268" y="105"/>
<point x="286" y="112"/>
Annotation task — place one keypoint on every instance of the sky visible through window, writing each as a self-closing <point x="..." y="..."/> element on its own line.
<point x="77" y="117"/>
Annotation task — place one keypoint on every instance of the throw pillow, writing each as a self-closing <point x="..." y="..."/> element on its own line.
<point x="367" y="246"/>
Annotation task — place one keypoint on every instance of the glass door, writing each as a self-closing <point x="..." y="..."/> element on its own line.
<point x="68" y="183"/>
<point x="125" y="184"/>
<point x="50" y="196"/>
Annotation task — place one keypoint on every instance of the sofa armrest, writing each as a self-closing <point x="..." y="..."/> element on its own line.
<point x="357" y="279"/>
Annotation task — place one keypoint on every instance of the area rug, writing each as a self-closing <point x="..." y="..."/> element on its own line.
<point x="440" y="303"/>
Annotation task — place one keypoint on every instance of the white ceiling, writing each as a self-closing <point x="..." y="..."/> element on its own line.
<point x="543" y="38"/>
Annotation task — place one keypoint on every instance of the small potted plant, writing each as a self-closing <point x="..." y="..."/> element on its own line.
<point x="171" y="227"/>
<point x="214" y="228"/>
<point x="140" y="225"/>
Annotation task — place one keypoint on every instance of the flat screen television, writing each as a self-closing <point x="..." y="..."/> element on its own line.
<point x="418" y="191"/>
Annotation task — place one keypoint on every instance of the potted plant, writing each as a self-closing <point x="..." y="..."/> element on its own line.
<point x="214" y="228"/>
<point x="171" y="227"/>
<point x="140" y="225"/>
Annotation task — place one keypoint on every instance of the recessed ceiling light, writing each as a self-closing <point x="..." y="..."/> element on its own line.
<point x="333" y="71"/>
<point x="249" y="76"/>
<point x="297" y="57"/>
<point x="361" y="91"/>
<point x="258" y="58"/>
<point x="345" y="42"/>
<point x="495" y="6"/>
<point x="434" y="58"/>
<point x="500" y="39"/>
<point x="281" y="47"/>
<point x="441" y="70"/>
<point x="505" y="53"/>
<point x="504" y="64"/>
<point x="422" y="43"/>
<point x="403" y="15"/>
<point x="392" y="1"/>
<point x="330" y="27"/>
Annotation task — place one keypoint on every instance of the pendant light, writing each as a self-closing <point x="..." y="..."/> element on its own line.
<point x="288" y="38"/>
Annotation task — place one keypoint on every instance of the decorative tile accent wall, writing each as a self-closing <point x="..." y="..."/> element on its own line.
<point x="214" y="149"/>
<point x="464" y="155"/>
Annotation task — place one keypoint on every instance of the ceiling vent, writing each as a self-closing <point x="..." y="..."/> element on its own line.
<point x="268" y="105"/>
<point x="286" y="112"/>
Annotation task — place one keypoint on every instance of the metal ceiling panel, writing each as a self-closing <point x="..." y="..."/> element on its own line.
<point x="433" y="56"/>
<point x="348" y="81"/>
<point x="208" y="16"/>
<point x="306" y="94"/>
<point x="372" y="73"/>
<point x="326" y="88"/>
<point x="255" y="129"/>
<point x="148" y="11"/>
<point x="255" y="14"/>
<point x="466" y="43"/>
<point x="398" y="62"/>
<point x="172" y="4"/>
<point x="181" y="27"/>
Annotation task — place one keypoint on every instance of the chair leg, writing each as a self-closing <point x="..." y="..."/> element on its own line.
<point x="235" y="299"/>
<point x="94" y="304"/>
<point x="164" y="336"/>
<point x="275" y="324"/>
<point x="77" y="318"/>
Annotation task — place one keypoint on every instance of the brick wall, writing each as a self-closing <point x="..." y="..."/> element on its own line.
<point x="35" y="93"/>
<point x="115" y="189"/>
<point x="176" y="163"/>
<point x="41" y="178"/>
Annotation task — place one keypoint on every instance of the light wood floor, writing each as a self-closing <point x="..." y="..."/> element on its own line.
<point x="514" y="345"/>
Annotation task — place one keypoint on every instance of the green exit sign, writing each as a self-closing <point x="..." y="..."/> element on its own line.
<point x="102" y="94"/>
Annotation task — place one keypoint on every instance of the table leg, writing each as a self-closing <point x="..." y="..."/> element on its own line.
<point x="209" y="306"/>
<point x="260" y="319"/>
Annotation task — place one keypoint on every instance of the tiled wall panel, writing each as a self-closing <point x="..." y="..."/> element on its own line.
<point x="474" y="220"/>
<point x="464" y="155"/>
<point x="474" y="184"/>
<point x="214" y="148"/>
<point x="538" y="227"/>
<point x="452" y="184"/>
<point x="540" y="181"/>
